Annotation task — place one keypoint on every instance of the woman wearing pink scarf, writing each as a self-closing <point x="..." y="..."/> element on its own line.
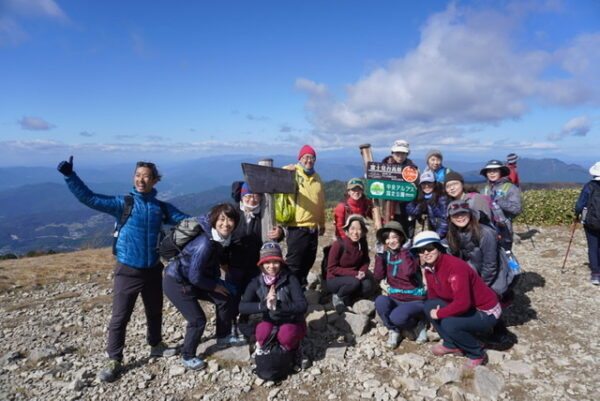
<point x="276" y="294"/>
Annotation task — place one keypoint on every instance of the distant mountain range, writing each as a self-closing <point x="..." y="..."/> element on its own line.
<point x="37" y="211"/>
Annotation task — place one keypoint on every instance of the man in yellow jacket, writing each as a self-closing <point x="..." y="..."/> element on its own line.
<point x="309" y="221"/>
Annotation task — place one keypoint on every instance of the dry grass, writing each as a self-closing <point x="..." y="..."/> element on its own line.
<point x="88" y="265"/>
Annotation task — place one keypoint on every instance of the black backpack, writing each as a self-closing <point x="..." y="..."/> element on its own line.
<point x="177" y="238"/>
<point x="592" y="217"/>
<point x="273" y="362"/>
<point x="127" y="209"/>
<point x="326" y="250"/>
<point x="236" y="190"/>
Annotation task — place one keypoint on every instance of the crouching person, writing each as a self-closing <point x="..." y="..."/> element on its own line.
<point x="195" y="275"/>
<point x="459" y="303"/>
<point x="277" y="294"/>
<point x="402" y="309"/>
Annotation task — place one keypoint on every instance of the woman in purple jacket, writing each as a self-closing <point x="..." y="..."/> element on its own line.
<point x="402" y="309"/>
<point x="432" y="202"/>
<point x="194" y="275"/>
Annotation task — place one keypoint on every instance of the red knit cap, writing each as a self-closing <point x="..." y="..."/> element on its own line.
<point x="306" y="150"/>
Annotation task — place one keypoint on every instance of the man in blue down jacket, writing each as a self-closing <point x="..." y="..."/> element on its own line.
<point x="138" y="268"/>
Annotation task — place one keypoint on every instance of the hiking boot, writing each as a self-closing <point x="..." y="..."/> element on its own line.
<point x="110" y="372"/>
<point x="231" y="341"/>
<point x="473" y="363"/>
<point x="162" y="349"/>
<point x="421" y="332"/>
<point x="393" y="339"/>
<point x="338" y="304"/>
<point x="441" y="350"/>
<point x="195" y="363"/>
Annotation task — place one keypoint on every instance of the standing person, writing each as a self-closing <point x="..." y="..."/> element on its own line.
<point x="348" y="265"/>
<point x="138" y="269"/>
<point x="402" y="308"/>
<point x="309" y="220"/>
<point x="396" y="210"/>
<point x="504" y="194"/>
<point x="194" y="275"/>
<point x="431" y="201"/>
<point x="246" y="240"/>
<point x="458" y="304"/>
<point x="511" y="162"/>
<point x="355" y="203"/>
<point x="591" y="220"/>
<point x="277" y="294"/>
<point x="434" y="161"/>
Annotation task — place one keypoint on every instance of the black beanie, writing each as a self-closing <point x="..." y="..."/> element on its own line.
<point x="453" y="176"/>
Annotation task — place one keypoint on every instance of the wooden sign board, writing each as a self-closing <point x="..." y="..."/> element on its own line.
<point x="269" y="180"/>
<point x="391" y="181"/>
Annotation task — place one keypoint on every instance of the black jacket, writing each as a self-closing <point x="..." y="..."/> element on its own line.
<point x="291" y="303"/>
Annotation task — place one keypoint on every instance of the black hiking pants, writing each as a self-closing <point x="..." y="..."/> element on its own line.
<point x="302" y="245"/>
<point x="128" y="283"/>
<point x="185" y="297"/>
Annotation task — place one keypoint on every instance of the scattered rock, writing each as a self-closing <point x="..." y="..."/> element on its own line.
<point x="176" y="370"/>
<point x="364" y="307"/>
<point x="356" y="323"/>
<point x="45" y="352"/>
<point x="312" y="297"/>
<point x="447" y="374"/>
<point x="317" y="320"/>
<point x="486" y="383"/>
<point x="518" y="368"/>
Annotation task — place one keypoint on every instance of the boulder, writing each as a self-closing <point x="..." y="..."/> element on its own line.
<point x="364" y="307"/>
<point x="356" y="323"/>
<point x="487" y="383"/>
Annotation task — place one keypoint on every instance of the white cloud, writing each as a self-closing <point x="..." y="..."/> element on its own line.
<point x="35" y="124"/>
<point x="11" y="33"/>
<point x="466" y="71"/>
<point x="578" y="126"/>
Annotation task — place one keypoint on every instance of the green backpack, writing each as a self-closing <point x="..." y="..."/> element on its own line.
<point x="285" y="208"/>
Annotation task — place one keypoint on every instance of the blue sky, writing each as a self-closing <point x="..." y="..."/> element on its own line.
<point x="118" y="81"/>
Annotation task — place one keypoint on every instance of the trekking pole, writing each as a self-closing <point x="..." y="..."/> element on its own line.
<point x="562" y="269"/>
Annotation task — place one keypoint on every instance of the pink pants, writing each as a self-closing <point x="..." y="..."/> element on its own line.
<point x="289" y="334"/>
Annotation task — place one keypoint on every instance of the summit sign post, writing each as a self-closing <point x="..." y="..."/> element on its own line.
<point x="391" y="182"/>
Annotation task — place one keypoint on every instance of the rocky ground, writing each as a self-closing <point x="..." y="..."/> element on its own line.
<point x="55" y="310"/>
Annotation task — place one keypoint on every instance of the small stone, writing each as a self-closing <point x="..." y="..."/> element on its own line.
<point x="412" y="360"/>
<point x="495" y="357"/>
<point x="447" y="375"/>
<point x="213" y="366"/>
<point x="176" y="370"/>
<point x="372" y="383"/>
<point x="76" y="385"/>
<point x="273" y="393"/>
<point x="518" y="368"/>
<point x="486" y="383"/>
<point x="315" y="371"/>
<point x="258" y="381"/>
<point x="45" y="352"/>
<point x="312" y="297"/>
<point x="336" y="351"/>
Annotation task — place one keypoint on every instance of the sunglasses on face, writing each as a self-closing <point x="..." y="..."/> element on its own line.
<point x="456" y="206"/>
<point x="427" y="248"/>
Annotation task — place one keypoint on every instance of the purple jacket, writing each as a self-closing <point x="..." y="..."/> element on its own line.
<point x="402" y="273"/>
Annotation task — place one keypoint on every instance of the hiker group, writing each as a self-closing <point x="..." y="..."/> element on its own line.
<point x="454" y="276"/>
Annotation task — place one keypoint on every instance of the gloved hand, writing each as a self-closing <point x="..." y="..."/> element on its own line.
<point x="66" y="167"/>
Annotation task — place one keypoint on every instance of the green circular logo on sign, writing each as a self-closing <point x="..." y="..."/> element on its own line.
<point x="377" y="188"/>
